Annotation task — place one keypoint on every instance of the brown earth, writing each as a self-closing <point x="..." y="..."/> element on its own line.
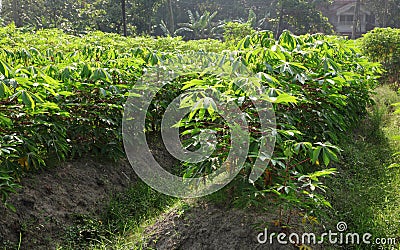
<point x="209" y="226"/>
<point x="49" y="201"/>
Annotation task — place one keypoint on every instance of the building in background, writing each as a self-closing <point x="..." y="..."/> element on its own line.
<point x="341" y="14"/>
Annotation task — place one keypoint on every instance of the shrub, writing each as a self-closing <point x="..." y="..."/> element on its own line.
<point x="319" y="86"/>
<point x="383" y="45"/>
<point x="235" y="31"/>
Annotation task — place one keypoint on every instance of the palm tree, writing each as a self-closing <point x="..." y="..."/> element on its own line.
<point x="201" y="26"/>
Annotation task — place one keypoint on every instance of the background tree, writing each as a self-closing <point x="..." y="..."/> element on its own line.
<point x="387" y="12"/>
<point x="63" y="14"/>
<point x="83" y="15"/>
<point x="300" y="17"/>
<point x="144" y="16"/>
<point x="21" y="12"/>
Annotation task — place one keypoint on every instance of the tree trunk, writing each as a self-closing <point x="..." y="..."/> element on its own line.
<point x="16" y="13"/>
<point x="356" y="20"/>
<point x="280" y="22"/>
<point x="149" y="7"/>
<point x="123" y="7"/>
<point x="386" y="12"/>
<point x="171" y="18"/>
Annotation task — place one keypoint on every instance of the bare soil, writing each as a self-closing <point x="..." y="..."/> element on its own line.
<point x="209" y="226"/>
<point x="49" y="201"/>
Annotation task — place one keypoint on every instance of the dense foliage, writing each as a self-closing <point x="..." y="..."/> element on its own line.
<point x="319" y="86"/>
<point x="383" y="45"/>
<point x="62" y="96"/>
<point x="234" y="31"/>
<point x="144" y="16"/>
<point x="81" y="16"/>
<point x="387" y="13"/>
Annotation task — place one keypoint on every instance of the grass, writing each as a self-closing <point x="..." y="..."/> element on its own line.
<point x="366" y="194"/>
<point x="122" y="225"/>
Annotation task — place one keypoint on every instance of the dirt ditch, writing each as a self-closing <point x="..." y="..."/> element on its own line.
<point x="49" y="201"/>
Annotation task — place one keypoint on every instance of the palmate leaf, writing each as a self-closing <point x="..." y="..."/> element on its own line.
<point x="5" y="122"/>
<point x="101" y="74"/>
<point x="50" y="80"/>
<point x="288" y="40"/>
<point x="315" y="154"/>
<point x="267" y="78"/>
<point x="27" y="99"/>
<point x="301" y="116"/>
<point x="282" y="98"/>
<point x="86" y="71"/>
<point x="153" y="58"/>
<point x="5" y="69"/>
<point x="328" y="63"/>
<point x="192" y="83"/>
<point x="327" y="151"/>
<point x="322" y="173"/>
<point x="287" y="67"/>
<point x="4" y="90"/>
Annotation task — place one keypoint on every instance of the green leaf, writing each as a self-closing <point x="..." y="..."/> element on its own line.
<point x="4" y="90"/>
<point x="281" y="98"/>
<point x="332" y="155"/>
<point x="192" y="83"/>
<point x="285" y="98"/>
<point x="267" y="78"/>
<point x="86" y="71"/>
<point x="288" y="40"/>
<point x="11" y="207"/>
<point x="202" y="113"/>
<point x="50" y="80"/>
<point x="394" y="165"/>
<point x="101" y="74"/>
<point x="65" y="93"/>
<point x="315" y="154"/>
<point x="325" y="157"/>
<point x="27" y="99"/>
<point x="5" y="69"/>
<point x="131" y="94"/>
<point x="314" y="176"/>
<point x="37" y="98"/>
<point x="49" y="106"/>
<point x="5" y="122"/>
